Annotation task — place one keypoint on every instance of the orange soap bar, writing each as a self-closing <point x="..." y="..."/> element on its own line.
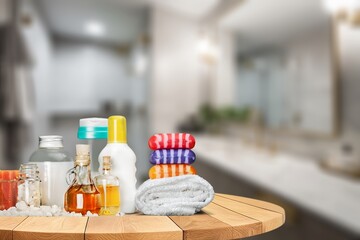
<point x="170" y="170"/>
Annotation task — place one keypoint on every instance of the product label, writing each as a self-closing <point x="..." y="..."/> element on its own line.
<point x="79" y="201"/>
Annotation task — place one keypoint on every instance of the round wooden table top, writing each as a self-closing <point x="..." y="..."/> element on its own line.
<point x="227" y="217"/>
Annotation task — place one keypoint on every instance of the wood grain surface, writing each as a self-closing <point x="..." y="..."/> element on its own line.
<point x="255" y="202"/>
<point x="132" y="227"/>
<point x="227" y="217"/>
<point x="7" y="225"/>
<point x="242" y="226"/>
<point x="41" y="228"/>
<point x="202" y="226"/>
<point x="269" y="219"/>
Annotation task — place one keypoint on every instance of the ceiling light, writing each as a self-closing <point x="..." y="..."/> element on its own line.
<point x="207" y="49"/>
<point x="334" y="6"/>
<point x="344" y="10"/>
<point x="94" y="28"/>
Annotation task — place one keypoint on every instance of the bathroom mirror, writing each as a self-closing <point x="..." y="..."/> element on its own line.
<point x="285" y="68"/>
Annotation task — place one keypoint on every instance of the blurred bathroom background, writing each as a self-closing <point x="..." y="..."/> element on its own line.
<point x="270" y="89"/>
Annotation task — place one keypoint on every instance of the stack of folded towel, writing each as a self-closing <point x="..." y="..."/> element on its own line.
<point x="173" y="187"/>
<point x="172" y="155"/>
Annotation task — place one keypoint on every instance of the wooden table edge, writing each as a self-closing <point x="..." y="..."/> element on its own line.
<point x="235" y="229"/>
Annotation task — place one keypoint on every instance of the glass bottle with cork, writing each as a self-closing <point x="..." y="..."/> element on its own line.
<point x="108" y="185"/>
<point x="82" y="196"/>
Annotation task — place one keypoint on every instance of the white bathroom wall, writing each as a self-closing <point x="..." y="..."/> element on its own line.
<point x="224" y="79"/>
<point x="85" y="76"/>
<point x="175" y="86"/>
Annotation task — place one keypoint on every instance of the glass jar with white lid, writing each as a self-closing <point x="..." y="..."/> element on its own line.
<point x="53" y="163"/>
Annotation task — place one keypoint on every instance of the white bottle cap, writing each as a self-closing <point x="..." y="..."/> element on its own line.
<point x="51" y="141"/>
<point x="93" y="122"/>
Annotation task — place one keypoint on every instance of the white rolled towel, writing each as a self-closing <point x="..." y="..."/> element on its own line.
<point x="174" y="196"/>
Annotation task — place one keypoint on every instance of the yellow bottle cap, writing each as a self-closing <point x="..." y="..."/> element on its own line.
<point x="117" y="129"/>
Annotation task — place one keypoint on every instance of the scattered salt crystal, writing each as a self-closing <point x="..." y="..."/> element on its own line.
<point x="89" y="214"/>
<point x="92" y="215"/>
<point x="21" y="205"/>
<point x="54" y="209"/>
<point x="45" y="209"/>
<point x="32" y="208"/>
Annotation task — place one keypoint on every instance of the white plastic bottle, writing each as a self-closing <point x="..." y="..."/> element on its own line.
<point x="123" y="161"/>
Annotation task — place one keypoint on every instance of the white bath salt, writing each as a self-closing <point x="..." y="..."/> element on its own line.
<point x="21" y="205"/>
<point x="90" y="214"/>
<point x="23" y="210"/>
<point x="29" y="192"/>
<point x="54" y="209"/>
<point x="46" y="209"/>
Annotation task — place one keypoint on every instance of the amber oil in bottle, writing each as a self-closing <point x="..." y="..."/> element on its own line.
<point x="82" y="196"/>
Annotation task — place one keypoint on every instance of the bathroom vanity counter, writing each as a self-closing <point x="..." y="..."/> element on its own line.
<point x="300" y="181"/>
<point x="227" y="217"/>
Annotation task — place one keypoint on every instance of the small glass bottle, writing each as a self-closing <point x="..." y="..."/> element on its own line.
<point x="108" y="186"/>
<point x="29" y="185"/>
<point x="82" y="196"/>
